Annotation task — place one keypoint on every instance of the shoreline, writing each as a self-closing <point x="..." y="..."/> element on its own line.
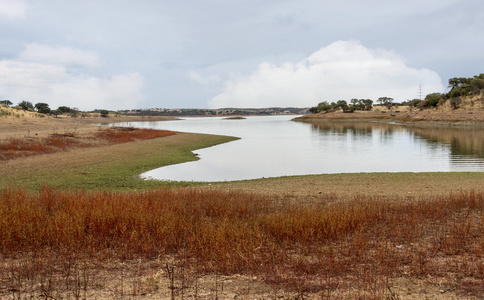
<point x="80" y="164"/>
<point x="444" y="117"/>
<point x="33" y="127"/>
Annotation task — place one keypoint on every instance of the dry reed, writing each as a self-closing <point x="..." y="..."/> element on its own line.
<point x="324" y="247"/>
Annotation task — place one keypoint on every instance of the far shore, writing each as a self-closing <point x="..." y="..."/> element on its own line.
<point x="467" y="116"/>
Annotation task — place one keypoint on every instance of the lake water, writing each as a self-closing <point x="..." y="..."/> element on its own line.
<point x="272" y="146"/>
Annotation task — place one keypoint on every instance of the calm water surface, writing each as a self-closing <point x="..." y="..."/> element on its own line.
<point x="276" y="146"/>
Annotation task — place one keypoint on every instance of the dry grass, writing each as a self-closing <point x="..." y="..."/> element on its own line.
<point x="11" y="148"/>
<point x="58" y="243"/>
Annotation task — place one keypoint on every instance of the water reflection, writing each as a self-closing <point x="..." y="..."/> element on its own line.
<point x="462" y="141"/>
<point x="276" y="146"/>
<point x="465" y="146"/>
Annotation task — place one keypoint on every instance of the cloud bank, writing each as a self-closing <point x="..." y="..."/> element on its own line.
<point x="42" y="73"/>
<point x="341" y="70"/>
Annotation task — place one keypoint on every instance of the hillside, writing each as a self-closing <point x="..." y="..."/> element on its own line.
<point x="469" y="113"/>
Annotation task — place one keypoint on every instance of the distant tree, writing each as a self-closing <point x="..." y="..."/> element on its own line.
<point x="412" y="103"/>
<point x="42" y="108"/>
<point x="26" y="105"/>
<point x="432" y="100"/>
<point x="104" y="113"/>
<point x="74" y="112"/>
<point x="462" y="86"/>
<point x="458" y="81"/>
<point x="56" y="112"/>
<point x="385" y="101"/>
<point x="322" y="106"/>
<point x="342" y="104"/>
<point x="368" y="103"/>
<point x="6" y="102"/>
<point x="476" y="84"/>
<point x="64" y="109"/>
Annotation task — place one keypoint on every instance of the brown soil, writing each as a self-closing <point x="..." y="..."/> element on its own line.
<point x="129" y="278"/>
<point x="409" y="185"/>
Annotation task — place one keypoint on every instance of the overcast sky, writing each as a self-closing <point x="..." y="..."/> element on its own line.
<point x="122" y="54"/>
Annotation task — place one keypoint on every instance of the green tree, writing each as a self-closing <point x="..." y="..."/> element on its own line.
<point x="368" y="103"/>
<point x="385" y="101"/>
<point x="432" y="100"/>
<point x="104" y="113"/>
<point x="42" y="108"/>
<point x="26" y="105"/>
<point x="462" y="86"/>
<point x="412" y="103"/>
<point x="56" y="112"/>
<point x="64" y="109"/>
<point x="458" y="81"/>
<point x="74" y="112"/>
<point x="6" y="102"/>
<point x="342" y="104"/>
<point x="322" y="106"/>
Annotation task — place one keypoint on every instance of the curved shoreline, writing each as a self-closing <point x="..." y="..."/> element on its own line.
<point x="85" y="168"/>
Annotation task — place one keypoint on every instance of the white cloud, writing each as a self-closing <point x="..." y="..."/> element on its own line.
<point x="58" y="55"/>
<point x="341" y="70"/>
<point x="42" y="78"/>
<point x="13" y="9"/>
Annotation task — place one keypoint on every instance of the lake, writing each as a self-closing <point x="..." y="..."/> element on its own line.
<point x="272" y="146"/>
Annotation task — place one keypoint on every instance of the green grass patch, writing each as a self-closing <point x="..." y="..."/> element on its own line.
<point x="113" y="167"/>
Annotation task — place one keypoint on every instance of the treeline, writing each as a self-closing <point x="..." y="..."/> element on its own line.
<point x="43" y="108"/>
<point x="356" y="104"/>
<point x="459" y="87"/>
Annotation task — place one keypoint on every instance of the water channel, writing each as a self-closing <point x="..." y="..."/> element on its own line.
<point x="272" y="146"/>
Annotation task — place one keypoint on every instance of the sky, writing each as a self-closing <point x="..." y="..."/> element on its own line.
<point x="133" y="54"/>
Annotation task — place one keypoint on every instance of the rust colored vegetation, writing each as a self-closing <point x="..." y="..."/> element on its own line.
<point x="12" y="148"/>
<point x="128" y="134"/>
<point x="327" y="247"/>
